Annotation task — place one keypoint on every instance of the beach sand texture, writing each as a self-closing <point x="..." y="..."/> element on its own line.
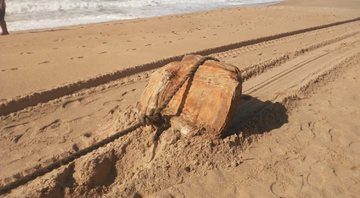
<point x="296" y="132"/>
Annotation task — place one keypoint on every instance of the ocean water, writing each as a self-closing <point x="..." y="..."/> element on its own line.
<point x="39" y="14"/>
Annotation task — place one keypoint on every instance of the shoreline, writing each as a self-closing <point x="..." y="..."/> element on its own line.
<point x="76" y="26"/>
<point x="316" y="3"/>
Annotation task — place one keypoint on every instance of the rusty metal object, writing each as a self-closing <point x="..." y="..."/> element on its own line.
<point x="208" y="99"/>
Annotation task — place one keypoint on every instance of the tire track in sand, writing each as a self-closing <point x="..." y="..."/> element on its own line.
<point x="33" y="99"/>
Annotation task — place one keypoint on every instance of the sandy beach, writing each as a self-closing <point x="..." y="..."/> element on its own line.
<point x="296" y="132"/>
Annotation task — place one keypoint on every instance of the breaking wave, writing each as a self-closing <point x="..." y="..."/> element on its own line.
<point x="38" y="14"/>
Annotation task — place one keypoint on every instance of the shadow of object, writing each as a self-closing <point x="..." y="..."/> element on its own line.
<point x="256" y="117"/>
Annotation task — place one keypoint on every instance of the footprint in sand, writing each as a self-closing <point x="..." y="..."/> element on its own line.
<point x="17" y="138"/>
<point x="80" y="57"/>
<point x="22" y="53"/>
<point x="87" y="135"/>
<point x="75" y="147"/>
<point x="315" y="180"/>
<point x="316" y="176"/>
<point x="89" y="100"/>
<point x="59" y="39"/>
<point x="53" y="125"/>
<point x="11" y="69"/>
<point x="113" y="110"/>
<point x="282" y="188"/>
<point x="86" y="140"/>
<point x="44" y="62"/>
<point x="72" y="103"/>
<point x="104" y="52"/>
<point x="81" y="118"/>
<point x="124" y="93"/>
<point x="112" y="101"/>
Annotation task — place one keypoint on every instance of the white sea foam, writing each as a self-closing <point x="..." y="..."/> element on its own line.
<point x="38" y="14"/>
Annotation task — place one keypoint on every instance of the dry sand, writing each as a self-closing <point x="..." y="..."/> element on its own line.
<point x="295" y="134"/>
<point x="73" y="54"/>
